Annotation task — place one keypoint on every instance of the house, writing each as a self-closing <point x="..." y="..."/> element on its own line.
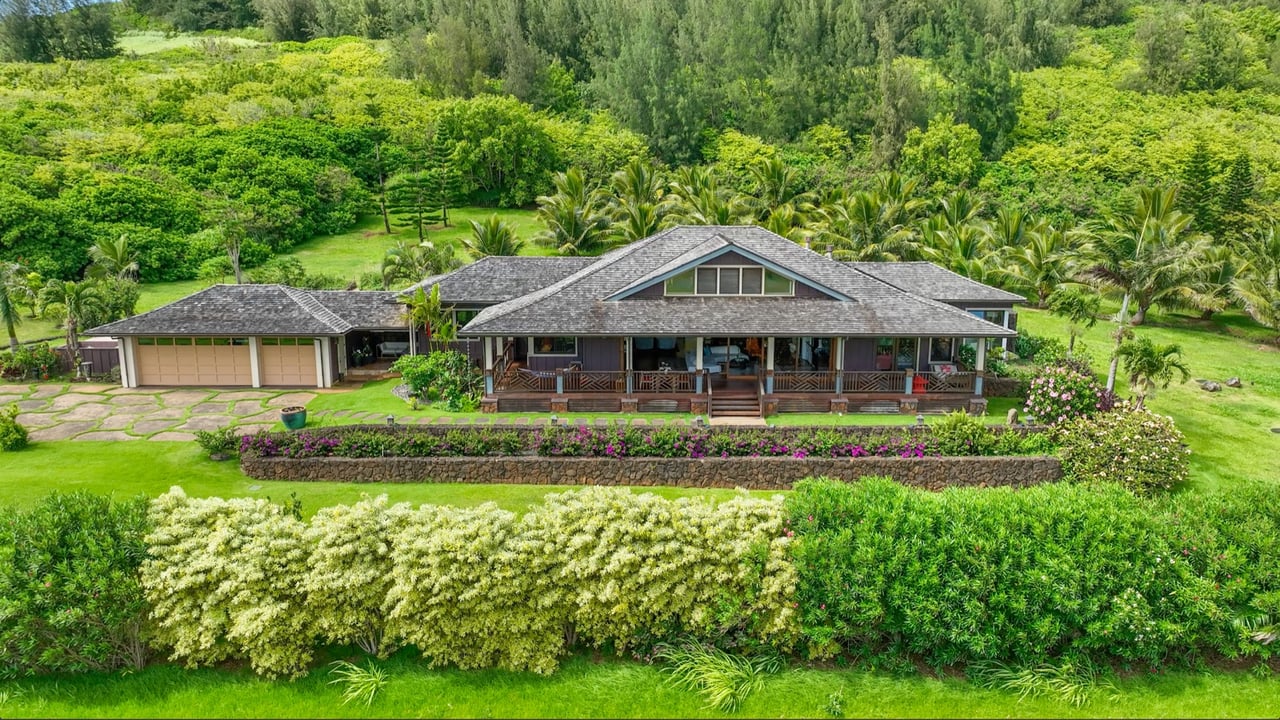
<point x="723" y="320"/>
<point x="716" y="320"/>
<point x="255" y="336"/>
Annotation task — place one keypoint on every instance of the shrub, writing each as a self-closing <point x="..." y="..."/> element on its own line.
<point x="1060" y="393"/>
<point x="13" y="436"/>
<point x="69" y="594"/>
<point x="446" y="377"/>
<point x="1039" y="348"/>
<point x="223" y="578"/>
<point x="222" y="441"/>
<point x="959" y="433"/>
<point x="475" y="587"/>
<point x="1140" y="450"/>
<point x="39" y="358"/>
<point x="970" y="575"/>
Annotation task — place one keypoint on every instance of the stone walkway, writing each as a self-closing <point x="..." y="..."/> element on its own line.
<point x="62" y="411"/>
<point x="109" y="412"/>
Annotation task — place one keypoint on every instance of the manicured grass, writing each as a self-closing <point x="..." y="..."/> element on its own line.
<point x="606" y="688"/>
<point x="144" y="466"/>
<point x="1228" y="431"/>
<point x="997" y="414"/>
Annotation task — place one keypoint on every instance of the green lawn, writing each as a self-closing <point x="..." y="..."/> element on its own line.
<point x="606" y="688"/>
<point x="1229" y="431"/>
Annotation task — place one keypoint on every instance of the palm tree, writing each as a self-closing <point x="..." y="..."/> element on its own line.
<point x="576" y="216"/>
<point x="71" y="302"/>
<point x="869" y="226"/>
<point x="1047" y="258"/>
<point x="1150" y="365"/>
<point x="10" y="281"/>
<point x="113" y="258"/>
<point x="1145" y="254"/>
<point x="1209" y="289"/>
<point x="1257" y="284"/>
<point x="1080" y="306"/>
<point x="963" y="248"/>
<point x="494" y="236"/>
<point x="716" y="206"/>
<point x="423" y="309"/>
<point x="638" y="182"/>
<point x="633" y="221"/>
<point x="417" y="261"/>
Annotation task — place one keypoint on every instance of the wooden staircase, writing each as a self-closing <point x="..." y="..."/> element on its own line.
<point x="735" y="403"/>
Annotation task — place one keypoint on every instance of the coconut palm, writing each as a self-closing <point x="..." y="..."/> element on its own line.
<point x="424" y="310"/>
<point x="576" y="216"/>
<point x="71" y="303"/>
<point x="633" y="221"/>
<point x="639" y="182"/>
<point x="1150" y="365"/>
<point x="869" y="226"/>
<point x="414" y="262"/>
<point x="1257" y="285"/>
<point x="1209" y="286"/>
<point x="1047" y="258"/>
<point x="1080" y="306"/>
<point x="1146" y="253"/>
<point x="494" y="236"/>
<point x="965" y="248"/>
<point x="715" y="206"/>
<point x="113" y="258"/>
<point x="10" y="280"/>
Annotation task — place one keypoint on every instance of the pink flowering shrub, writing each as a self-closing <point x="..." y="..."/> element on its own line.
<point x="1062" y="393"/>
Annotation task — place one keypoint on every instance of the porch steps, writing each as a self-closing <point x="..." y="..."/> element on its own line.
<point x="735" y="405"/>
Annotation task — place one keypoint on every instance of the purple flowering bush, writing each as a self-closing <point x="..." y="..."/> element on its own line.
<point x="1061" y="393"/>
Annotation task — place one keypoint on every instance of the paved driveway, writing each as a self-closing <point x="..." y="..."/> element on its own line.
<point x="53" y="411"/>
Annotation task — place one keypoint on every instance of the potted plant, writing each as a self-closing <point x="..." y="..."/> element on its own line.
<point x="294" y="417"/>
<point x="220" y="444"/>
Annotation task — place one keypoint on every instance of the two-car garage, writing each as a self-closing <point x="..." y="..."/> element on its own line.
<point x="225" y="361"/>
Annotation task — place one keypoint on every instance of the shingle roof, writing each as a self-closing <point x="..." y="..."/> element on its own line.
<point x="263" y="310"/>
<point x="498" y="278"/>
<point x="935" y="282"/>
<point x="576" y="305"/>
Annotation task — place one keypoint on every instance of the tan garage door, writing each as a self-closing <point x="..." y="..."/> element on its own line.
<point x="288" y="361"/>
<point x="200" y="361"/>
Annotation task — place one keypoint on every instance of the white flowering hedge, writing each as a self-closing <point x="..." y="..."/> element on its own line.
<point x="478" y="587"/>
<point x="1137" y="448"/>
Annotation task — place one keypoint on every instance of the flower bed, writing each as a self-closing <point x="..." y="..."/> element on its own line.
<point x="631" y="442"/>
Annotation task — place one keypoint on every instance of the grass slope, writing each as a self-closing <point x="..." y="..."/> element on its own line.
<point x="1229" y="431"/>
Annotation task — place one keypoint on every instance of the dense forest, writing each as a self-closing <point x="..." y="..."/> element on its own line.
<point x="1032" y="131"/>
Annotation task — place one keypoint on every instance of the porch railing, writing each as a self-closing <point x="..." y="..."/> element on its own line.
<point x="607" y="381"/>
<point x="874" y="381"/>
<point x="804" y="381"/>
<point x="663" y="381"/>
<point x="954" y="383"/>
<point x="521" y="379"/>
<point x="643" y="382"/>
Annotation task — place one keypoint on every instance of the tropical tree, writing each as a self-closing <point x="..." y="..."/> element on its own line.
<point x="494" y="236"/>
<point x="71" y="303"/>
<point x="965" y="247"/>
<point x="870" y="226"/>
<point x="1257" y="285"/>
<point x="641" y="202"/>
<point x="113" y="258"/>
<point x="576" y="216"/>
<point x="425" y="310"/>
<point x="411" y="199"/>
<point x="10" y="280"/>
<point x="413" y="262"/>
<point x="1046" y="258"/>
<point x="1080" y="306"/>
<point x="1150" y="365"/>
<point x="1209" y="288"/>
<point x="1145" y="253"/>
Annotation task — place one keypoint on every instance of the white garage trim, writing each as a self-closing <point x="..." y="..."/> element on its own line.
<point x="255" y="362"/>
<point x="326" y="362"/>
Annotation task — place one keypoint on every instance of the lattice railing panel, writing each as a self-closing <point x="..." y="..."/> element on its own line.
<point x="879" y="381"/>
<point x="801" y="381"/>
<point x="952" y="383"/>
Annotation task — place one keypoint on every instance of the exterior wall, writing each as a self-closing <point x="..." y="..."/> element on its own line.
<point x="859" y="354"/>
<point x="933" y="473"/>
<point x="600" y="353"/>
<point x="810" y="293"/>
<point x="554" y="362"/>
<point x="731" y="258"/>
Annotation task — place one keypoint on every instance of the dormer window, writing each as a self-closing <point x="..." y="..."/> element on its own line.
<point x="729" y="280"/>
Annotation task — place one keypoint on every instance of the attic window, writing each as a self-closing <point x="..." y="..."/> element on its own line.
<point x="729" y="280"/>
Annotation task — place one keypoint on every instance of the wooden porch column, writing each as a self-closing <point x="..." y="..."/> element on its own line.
<point x="628" y="348"/>
<point x="980" y="366"/>
<point x="488" y="364"/>
<point x="697" y="352"/>
<point x="837" y="349"/>
<point x="768" y="365"/>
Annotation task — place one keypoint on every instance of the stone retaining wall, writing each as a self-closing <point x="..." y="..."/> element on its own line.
<point x="932" y="473"/>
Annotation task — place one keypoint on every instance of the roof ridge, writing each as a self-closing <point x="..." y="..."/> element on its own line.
<point x="312" y="304"/>
<point x="921" y="298"/>
<point x="514" y="304"/>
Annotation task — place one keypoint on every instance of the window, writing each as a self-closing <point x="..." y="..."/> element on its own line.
<point x="707" y="277"/>
<point x="895" y="353"/>
<point x="941" y="350"/>
<point x="221" y="341"/>
<point x="462" y="317"/>
<point x="553" y="346"/>
<point x="729" y="280"/>
<point x="681" y="284"/>
<point x="204" y="341"/>
<point x="306" y="341"/>
<point x="146" y="341"/>
<point x="182" y="341"/>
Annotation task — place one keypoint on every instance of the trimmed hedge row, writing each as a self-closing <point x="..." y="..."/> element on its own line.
<point x="870" y="571"/>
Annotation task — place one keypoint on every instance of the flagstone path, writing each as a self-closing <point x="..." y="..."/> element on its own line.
<point x="65" y="411"/>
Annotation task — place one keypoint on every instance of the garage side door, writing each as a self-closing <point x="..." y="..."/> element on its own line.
<point x="288" y="362"/>
<point x="201" y="361"/>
